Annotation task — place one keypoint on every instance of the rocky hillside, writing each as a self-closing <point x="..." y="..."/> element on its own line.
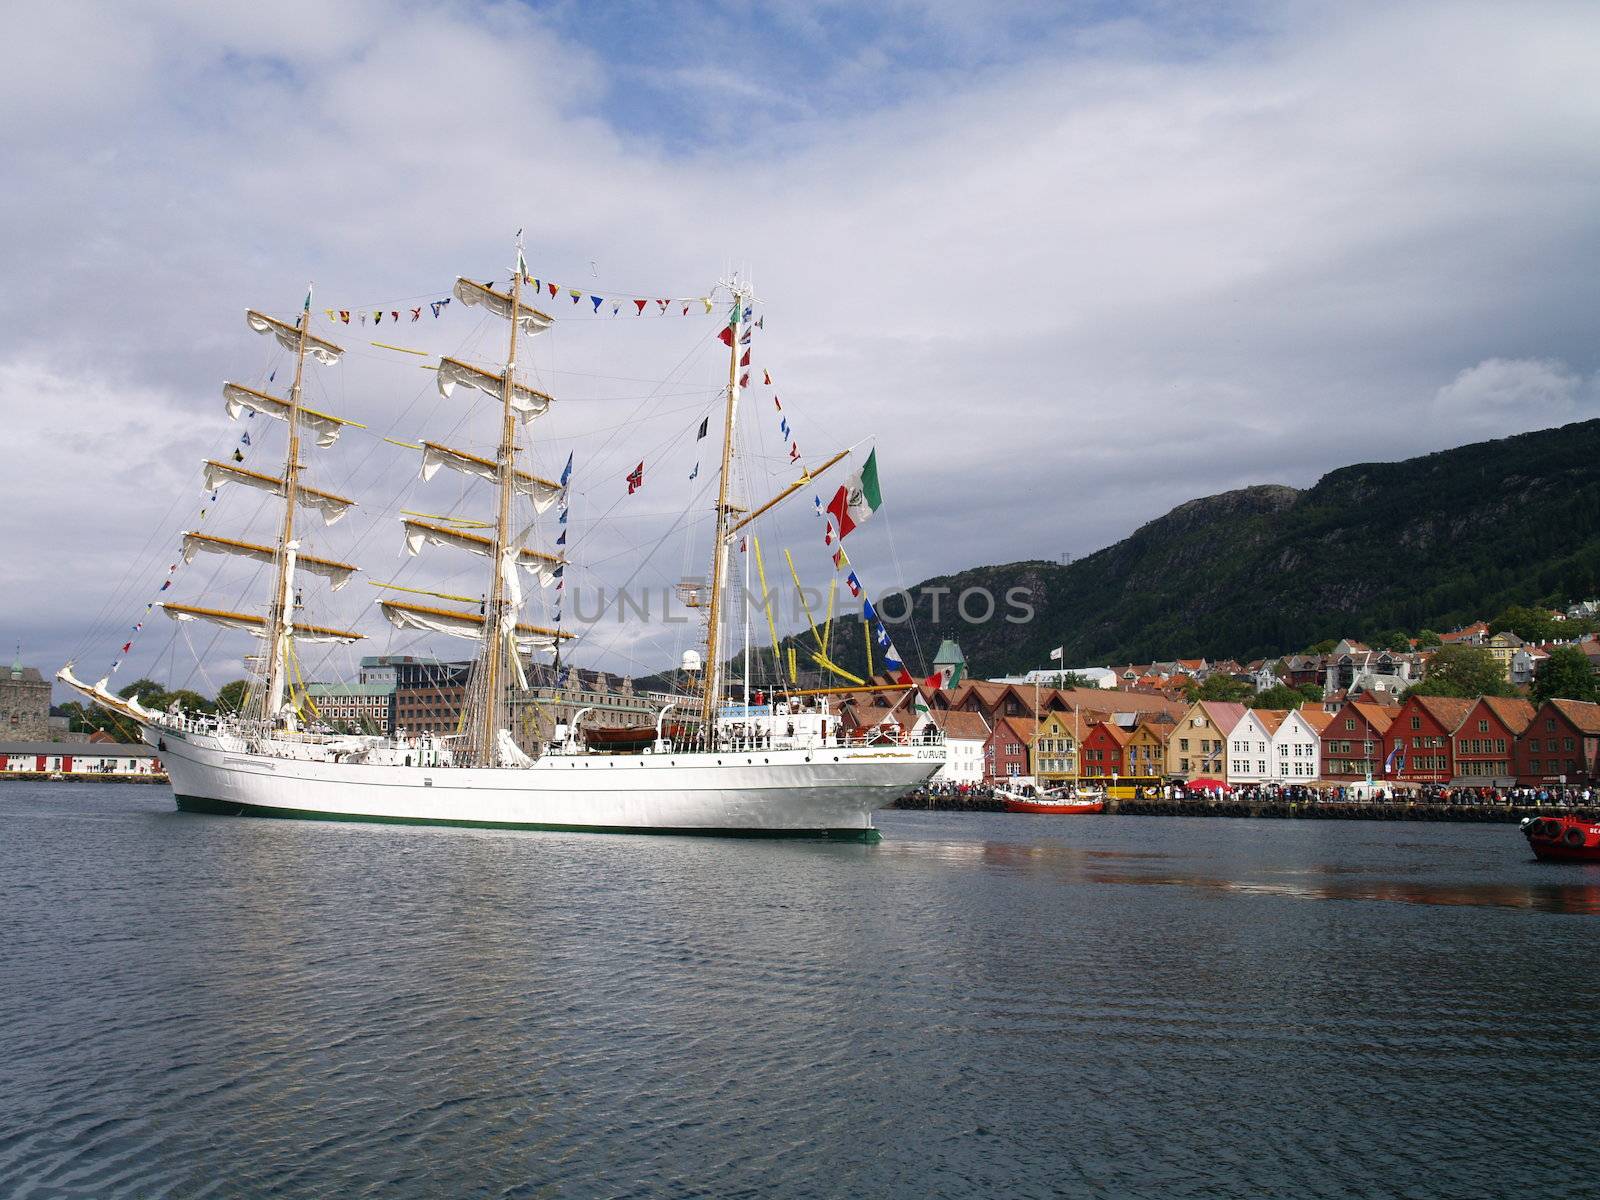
<point x="1425" y="543"/>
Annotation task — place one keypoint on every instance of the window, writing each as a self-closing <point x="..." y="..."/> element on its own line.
<point x="1566" y="744"/>
<point x="1416" y="722"/>
<point x="1533" y="744"/>
<point x="1349" y="722"/>
<point x="1483" y="727"/>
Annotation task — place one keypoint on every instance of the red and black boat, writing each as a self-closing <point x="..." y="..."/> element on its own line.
<point x="1564" y="839"/>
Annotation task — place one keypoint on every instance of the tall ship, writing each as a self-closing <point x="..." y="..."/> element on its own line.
<point x="719" y="760"/>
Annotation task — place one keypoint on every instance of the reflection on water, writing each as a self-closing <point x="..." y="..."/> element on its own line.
<point x="981" y="1005"/>
<point x="1333" y="881"/>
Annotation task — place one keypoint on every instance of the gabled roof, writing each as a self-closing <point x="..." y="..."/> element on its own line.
<point x="1223" y="715"/>
<point x="1319" y="719"/>
<point x="1449" y="711"/>
<point x="1378" y="716"/>
<point x="1113" y="731"/>
<point x="1583" y="715"/>
<point x="963" y="726"/>
<point x="1271" y="718"/>
<point x="1025" y="728"/>
<point x="1515" y="713"/>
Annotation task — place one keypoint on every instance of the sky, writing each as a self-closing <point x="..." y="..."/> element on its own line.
<point x="1064" y="265"/>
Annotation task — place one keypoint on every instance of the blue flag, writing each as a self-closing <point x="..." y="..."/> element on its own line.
<point x="566" y="471"/>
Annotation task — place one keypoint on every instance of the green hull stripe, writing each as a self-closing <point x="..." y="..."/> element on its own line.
<point x="231" y="808"/>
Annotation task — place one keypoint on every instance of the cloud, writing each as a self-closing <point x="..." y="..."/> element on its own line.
<point x="1067" y="271"/>
<point x="1501" y="396"/>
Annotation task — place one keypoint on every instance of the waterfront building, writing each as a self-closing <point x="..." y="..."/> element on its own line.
<point x="1005" y="754"/>
<point x="1484" y="744"/>
<point x="559" y="697"/>
<point x="1421" y="739"/>
<point x="429" y="694"/>
<point x="350" y="707"/>
<point x="1250" y="746"/>
<point x="1353" y="740"/>
<point x="79" y="759"/>
<point x="1103" y="750"/>
<point x="1198" y="745"/>
<point x="1055" y="747"/>
<point x="1294" y="754"/>
<point x="1561" y="744"/>
<point x="24" y="703"/>
<point x="965" y="736"/>
<point x="1145" y="754"/>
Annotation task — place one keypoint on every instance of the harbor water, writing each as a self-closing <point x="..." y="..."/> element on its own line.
<point x="981" y="1005"/>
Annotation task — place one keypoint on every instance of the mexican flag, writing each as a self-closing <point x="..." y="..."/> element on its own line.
<point x="858" y="499"/>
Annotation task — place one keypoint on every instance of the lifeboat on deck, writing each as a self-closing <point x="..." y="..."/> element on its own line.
<point x="1564" y="839"/>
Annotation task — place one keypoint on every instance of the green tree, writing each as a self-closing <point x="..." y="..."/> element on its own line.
<point x="1565" y="675"/>
<point x="1393" y="639"/>
<point x="147" y="692"/>
<point x="231" y="697"/>
<point x="1312" y="692"/>
<point x="1427" y="639"/>
<point x="1281" y="696"/>
<point x="1072" y="680"/>
<point x="1464" y="671"/>
<point x="188" y="700"/>
<point x="1325" y="646"/>
<point x="1217" y="687"/>
<point x="1529" y="624"/>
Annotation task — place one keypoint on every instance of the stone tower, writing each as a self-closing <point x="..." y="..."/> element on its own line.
<point x="24" y="704"/>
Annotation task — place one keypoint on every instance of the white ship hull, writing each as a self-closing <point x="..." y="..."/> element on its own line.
<point x="805" y="792"/>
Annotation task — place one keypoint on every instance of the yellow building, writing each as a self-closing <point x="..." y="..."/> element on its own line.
<point x="1053" y="756"/>
<point x="1145" y="755"/>
<point x="1198" y="745"/>
<point x="1504" y="646"/>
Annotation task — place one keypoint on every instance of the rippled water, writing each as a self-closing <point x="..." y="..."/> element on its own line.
<point x="980" y="1005"/>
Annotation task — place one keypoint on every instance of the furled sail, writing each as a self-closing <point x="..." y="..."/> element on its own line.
<point x="326" y="427"/>
<point x="419" y="533"/>
<point x="456" y="623"/>
<point x="529" y="319"/>
<point x="336" y="573"/>
<point x="288" y="336"/>
<point x="524" y="400"/>
<point x="330" y="506"/>
<point x="251" y="623"/>
<point x="542" y="492"/>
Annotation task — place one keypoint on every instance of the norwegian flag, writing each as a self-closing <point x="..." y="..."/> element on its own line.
<point x="636" y="479"/>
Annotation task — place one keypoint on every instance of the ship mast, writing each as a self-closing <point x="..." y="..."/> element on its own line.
<point x="724" y="534"/>
<point x="281" y="617"/>
<point x="495" y="639"/>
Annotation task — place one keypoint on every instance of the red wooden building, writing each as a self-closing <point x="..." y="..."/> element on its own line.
<point x="1103" y="749"/>
<point x="1418" y="748"/>
<point x="1561" y="741"/>
<point x="1005" y="754"/>
<point x="1353" y="740"/>
<point x="1485" y="742"/>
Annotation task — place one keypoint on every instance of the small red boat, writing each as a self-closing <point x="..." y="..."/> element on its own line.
<point x="1025" y="796"/>
<point x="1063" y="805"/>
<point x="1565" y="839"/>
